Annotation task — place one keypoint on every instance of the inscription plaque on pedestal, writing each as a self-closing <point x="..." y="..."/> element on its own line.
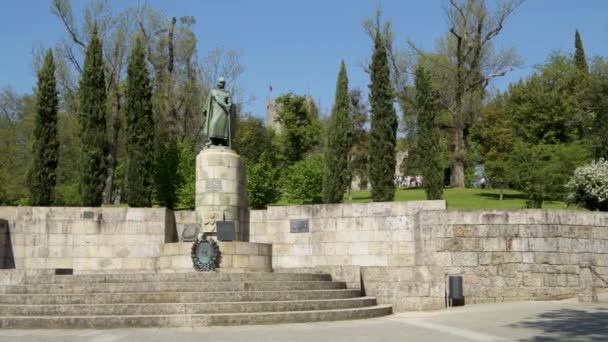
<point x="298" y="226"/>
<point x="213" y="185"/>
<point x="225" y="230"/>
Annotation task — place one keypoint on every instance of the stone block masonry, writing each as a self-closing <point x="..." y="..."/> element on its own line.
<point x="502" y="255"/>
<point x="407" y="288"/>
<point x="400" y="252"/>
<point x="236" y="257"/>
<point x="221" y="191"/>
<point x="372" y="234"/>
<point x="515" y="255"/>
<point x="86" y="239"/>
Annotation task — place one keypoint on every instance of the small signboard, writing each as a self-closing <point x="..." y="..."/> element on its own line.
<point x="225" y="230"/>
<point x="298" y="226"/>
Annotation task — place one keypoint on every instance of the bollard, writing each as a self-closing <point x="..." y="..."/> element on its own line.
<point x="456" y="291"/>
<point x="587" y="292"/>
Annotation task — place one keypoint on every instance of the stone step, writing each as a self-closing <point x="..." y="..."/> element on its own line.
<point x="183" y="320"/>
<point x="172" y="277"/>
<point x="191" y="286"/>
<point x="176" y="297"/>
<point x="183" y="308"/>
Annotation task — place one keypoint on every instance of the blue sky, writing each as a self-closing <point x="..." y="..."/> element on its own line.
<point x="297" y="45"/>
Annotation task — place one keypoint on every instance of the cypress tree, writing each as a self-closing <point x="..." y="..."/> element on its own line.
<point x="428" y="148"/>
<point x="383" y="133"/>
<point x="140" y="129"/>
<point x="45" y="148"/>
<point x="579" y="53"/>
<point x="92" y="120"/>
<point x="167" y="180"/>
<point x="335" y="178"/>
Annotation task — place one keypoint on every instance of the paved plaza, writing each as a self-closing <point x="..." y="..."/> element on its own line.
<point x="524" y="321"/>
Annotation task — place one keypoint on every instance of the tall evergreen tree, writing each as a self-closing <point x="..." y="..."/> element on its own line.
<point x="140" y="129"/>
<point x="45" y="148"/>
<point x="300" y="128"/>
<point x="383" y="133"/>
<point x="338" y="143"/>
<point x="167" y="180"/>
<point x="92" y="119"/>
<point x="598" y="97"/>
<point x="357" y="159"/>
<point x="579" y="54"/>
<point x="428" y="146"/>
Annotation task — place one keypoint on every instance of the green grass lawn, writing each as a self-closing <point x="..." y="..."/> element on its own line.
<point x="465" y="199"/>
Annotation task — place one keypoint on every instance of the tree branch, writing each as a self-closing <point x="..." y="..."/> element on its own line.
<point x="63" y="11"/>
<point x="506" y="12"/>
<point x="69" y="54"/>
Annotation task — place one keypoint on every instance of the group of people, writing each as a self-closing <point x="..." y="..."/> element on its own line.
<point x="408" y="181"/>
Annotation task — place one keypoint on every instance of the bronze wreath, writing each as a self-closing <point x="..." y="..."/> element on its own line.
<point x="214" y="259"/>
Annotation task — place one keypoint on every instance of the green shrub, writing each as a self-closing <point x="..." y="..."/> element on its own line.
<point x="263" y="183"/>
<point x="186" y="173"/>
<point x="303" y="183"/>
<point x="542" y="171"/>
<point x="67" y="194"/>
<point x="166" y="177"/>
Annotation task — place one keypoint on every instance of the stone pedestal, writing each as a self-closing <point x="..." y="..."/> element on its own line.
<point x="221" y="191"/>
<point x="236" y="257"/>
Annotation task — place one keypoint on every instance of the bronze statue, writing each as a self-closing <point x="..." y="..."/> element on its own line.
<point x="218" y="127"/>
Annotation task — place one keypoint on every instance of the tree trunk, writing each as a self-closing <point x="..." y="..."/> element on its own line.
<point x="458" y="160"/>
<point x="112" y="151"/>
<point x="457" y="174"/>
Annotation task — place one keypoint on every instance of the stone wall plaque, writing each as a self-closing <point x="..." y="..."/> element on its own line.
<point x="213" y="185"/>
<point x="88" y="215"/>
<point x="190" y="232"/>
<point x="298" y="226"/>
<point x="225" y="230"/>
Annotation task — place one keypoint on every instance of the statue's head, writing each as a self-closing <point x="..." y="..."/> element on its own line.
<point x="221" y="83"/>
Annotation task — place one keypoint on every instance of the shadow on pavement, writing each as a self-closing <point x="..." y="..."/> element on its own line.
<point x="568" y="325"/>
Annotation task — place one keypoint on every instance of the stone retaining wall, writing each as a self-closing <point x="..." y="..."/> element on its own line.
<point x="514" y="255"/>
<point x="502" y="255"/>
<point x="400" y="252"/>
<point x="371" y="234"/>
<point x="86" y="239"/>
<point x="408" y="288"/>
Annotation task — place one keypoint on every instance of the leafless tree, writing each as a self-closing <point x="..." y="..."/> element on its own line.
<point x="223" y="62"/>
<point x="116" y="31"/>
<point x="465" y="62"/>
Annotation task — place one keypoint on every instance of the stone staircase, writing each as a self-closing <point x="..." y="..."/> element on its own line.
<point x="180" y="300"/>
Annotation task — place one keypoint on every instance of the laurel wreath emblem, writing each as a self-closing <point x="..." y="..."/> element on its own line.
<point x="213" y="260"/>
